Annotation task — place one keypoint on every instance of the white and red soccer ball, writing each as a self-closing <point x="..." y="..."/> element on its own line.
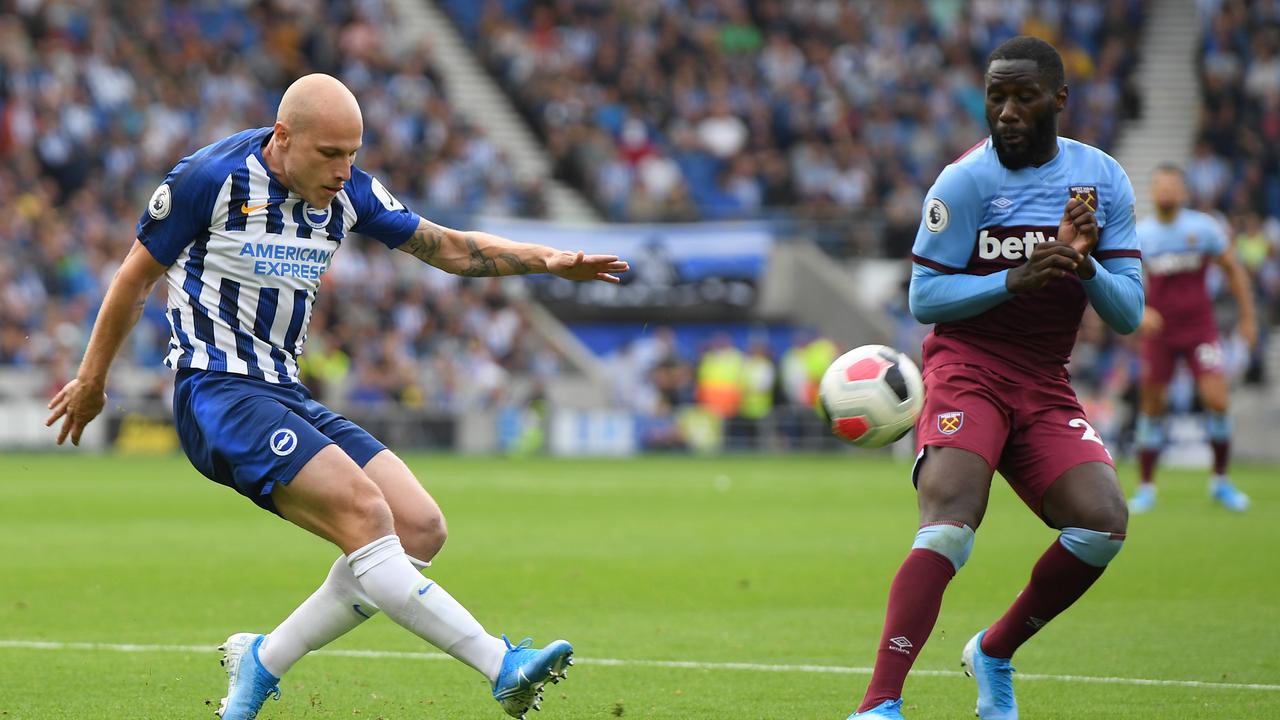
<point x="871" y="395"/>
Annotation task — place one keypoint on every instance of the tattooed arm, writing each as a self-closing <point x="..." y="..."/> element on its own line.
<point x="479" y="254"/>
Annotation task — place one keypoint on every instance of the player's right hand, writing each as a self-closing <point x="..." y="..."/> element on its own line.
<point x="1048" y="262"/>
<point x="77" y="403"/>
<point x="1152" y="321"/>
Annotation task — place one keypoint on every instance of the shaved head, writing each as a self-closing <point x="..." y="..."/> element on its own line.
<point x="317" y="99"/>
<point x="317" y="133"/>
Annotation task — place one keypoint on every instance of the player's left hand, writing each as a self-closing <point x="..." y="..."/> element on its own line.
<point x="78" y="403"/>
<point x="1079" y="227"/>
<point x="581" y="267"/>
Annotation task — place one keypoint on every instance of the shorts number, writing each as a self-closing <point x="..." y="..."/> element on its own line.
<point x="1089" y="433"/>
<point x="1210" y="355"/>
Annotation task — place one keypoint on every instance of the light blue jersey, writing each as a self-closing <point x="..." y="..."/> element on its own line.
<point x="982" y="219"/>
<point x="1177" y="255"/>
<point x="246" y="256"/>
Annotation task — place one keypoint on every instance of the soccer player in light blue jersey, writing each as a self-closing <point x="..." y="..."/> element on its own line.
<point x="1178" y="245"/>
<point x="242" y="231"/>
<point x="1017" y="236"/>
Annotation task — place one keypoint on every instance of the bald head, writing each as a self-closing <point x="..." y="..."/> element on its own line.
<point x="317" y="133"/>
<point x="318" y="100"/>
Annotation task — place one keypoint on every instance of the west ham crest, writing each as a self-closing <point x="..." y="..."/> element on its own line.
<point x="949" y="423"/>
<point x="1087" y="194"/>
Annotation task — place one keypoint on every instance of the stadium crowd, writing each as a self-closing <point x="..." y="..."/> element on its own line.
<point x="727" y="109"/>
<point x="1235" y="169"/>
<point x="659" y="110"/>
<point x="99" y="100"/>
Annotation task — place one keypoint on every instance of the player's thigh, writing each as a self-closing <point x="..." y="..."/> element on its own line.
<point x="1158" y="360"/>
<point x="960" y="435"/>
<point x="1056" y="438"/>
<point x="333" y="498"/>
<point x="418" y="519"/>
<point x="1087" y="496"/>
<point x="1153" y="398"/>
<point x="952" y="485"/>
<point x="1208" y="363"/>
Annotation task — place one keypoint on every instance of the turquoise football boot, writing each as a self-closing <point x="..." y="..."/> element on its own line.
<point x="995" y="681"/>
<point x="248" y="683"/>
<point x="887" y="710"/>
<point x="525" y="670"/>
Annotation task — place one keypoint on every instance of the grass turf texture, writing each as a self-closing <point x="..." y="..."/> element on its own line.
<point x="781" y="560"/>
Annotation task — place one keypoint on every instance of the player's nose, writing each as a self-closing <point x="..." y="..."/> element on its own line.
<point x="1008" y="114"/>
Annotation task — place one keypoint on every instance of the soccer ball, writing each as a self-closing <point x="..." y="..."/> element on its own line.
<point x="871" y="396"/>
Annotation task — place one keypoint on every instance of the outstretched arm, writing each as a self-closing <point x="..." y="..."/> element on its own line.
<point x="1238" y="281"/>
<point x="80" y="400"/>
<point x="480" y="254"/>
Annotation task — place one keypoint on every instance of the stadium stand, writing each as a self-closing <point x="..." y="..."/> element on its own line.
<point x="834" y="116"/>
<point x="717" y="110"/>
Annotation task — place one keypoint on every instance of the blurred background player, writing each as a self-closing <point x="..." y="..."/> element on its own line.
<point x="243" y="230"/>
<point x="1178" y="244"/>
<point x="1006" y="273"/>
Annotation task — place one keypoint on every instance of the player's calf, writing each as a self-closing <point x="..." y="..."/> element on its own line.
<point x="915" y="598"/>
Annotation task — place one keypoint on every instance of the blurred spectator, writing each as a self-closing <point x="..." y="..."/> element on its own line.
<point x="759" y="109"/>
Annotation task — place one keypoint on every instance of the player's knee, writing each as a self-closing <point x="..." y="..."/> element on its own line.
<point x="1092" y="547"/>
<point x="953" y="541"/>
<point x="366" y="515"/>
<point x="422" y="535"/>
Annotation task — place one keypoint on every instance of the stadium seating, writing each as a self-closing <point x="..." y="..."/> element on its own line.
<point x="733" y="109"/>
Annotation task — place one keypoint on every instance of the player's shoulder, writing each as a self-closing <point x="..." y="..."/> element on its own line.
<point x="1086" y="156"/>
<point x="1202" y="221"/>
<point x="215" y="161"/>
<point x="971" y="172"/>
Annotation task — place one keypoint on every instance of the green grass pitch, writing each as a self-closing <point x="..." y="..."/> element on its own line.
<point x="779" y="561"/>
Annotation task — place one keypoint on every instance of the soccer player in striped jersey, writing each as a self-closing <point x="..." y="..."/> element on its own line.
<point x="1178" y="245"/>
<point x="242" y="232"/>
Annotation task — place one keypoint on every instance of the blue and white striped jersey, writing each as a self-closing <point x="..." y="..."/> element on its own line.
<point x="246" y="255"/>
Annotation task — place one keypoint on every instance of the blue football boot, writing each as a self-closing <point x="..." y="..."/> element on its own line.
<point x="248" y="683"/>
<point x="1228" y="495"/>
<point x="1144" y="498"/>
<point x="995" y="681"/>
<point x="888" y="710"/>
<point x="525" y="670"/>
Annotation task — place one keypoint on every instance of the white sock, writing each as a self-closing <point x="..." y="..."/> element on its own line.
<point x="337" y="607"/>
<point x="423" y="607"/>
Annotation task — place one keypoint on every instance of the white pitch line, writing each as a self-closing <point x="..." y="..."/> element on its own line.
<point x="673" y="664"/>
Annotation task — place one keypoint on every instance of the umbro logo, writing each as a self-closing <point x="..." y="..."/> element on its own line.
<point x="900" y="644"/>
<point x="1002" y="204"/>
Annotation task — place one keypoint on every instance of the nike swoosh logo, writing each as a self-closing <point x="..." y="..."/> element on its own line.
<point x="244" y="208"/>
<point x="423" y="590"/>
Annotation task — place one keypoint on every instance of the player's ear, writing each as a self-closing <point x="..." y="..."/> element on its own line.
<point x="281" y="132"/>
<point x="1060" y="99"/>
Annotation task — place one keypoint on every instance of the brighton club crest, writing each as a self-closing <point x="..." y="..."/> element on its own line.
<point x="949" y="423"/>
<point x="1087" y="194"/>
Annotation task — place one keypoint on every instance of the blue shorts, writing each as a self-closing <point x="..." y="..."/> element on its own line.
<point x="249" y="434"/>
